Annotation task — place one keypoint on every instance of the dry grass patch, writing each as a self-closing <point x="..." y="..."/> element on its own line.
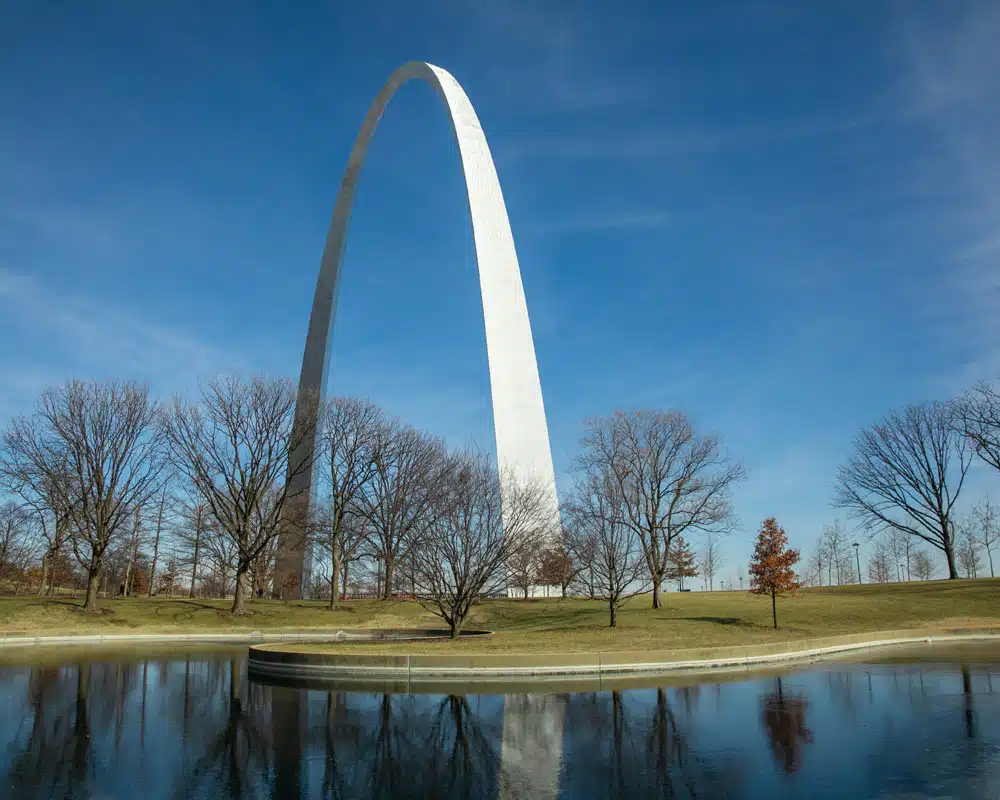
<point x="695" y="619"/>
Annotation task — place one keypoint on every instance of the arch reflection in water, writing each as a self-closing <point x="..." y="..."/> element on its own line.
<point x="196" y="727"/>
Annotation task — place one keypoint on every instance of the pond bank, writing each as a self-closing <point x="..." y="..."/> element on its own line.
<point x="298" y="660"/>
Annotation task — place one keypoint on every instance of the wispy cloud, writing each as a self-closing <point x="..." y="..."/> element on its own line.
<point x="629" y="219"/>
<point x="548" y="55"/>
<point x="685" y="141"/>
<point x="76" y="335"/>
<point x="955" y="74"/>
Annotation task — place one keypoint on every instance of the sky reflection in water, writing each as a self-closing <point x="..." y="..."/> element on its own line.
<point x="177" y="726"/>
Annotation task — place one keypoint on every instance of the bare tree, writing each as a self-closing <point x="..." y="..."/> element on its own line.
<point x="711" y="560"/>
<point x="350" y="429"/>
<point x="233" y="448"/>
<point x="344" y="542"/>
<point x="522" y="571"/>
<point x="558" y="566"/>
<point x="813" y="573"/>
<point x="977" y="417"/>
<point x="133" y="550"/>
<point x="583" y="550"/>
<point x="157" y="532"/>
<point x="397" y="500"/>
<point x="190" y="529"/>
<point x="879" y="563"/>
<point x="619" y="565"/>
<point x="901" y="546"/>
<point x="666" y="480"/>
<point x="463" y="555"/>
<point x="906" y="474"/>
<point x="95" y="445"/>
<point x="985" y="521"/>
<point x="18" y="543"/>
<point x="220" y="555"/>
<point x="40" y="495"/>
<point x="832" y="544"/>
<point x="923" y="567"/>
<point x="967" y="545"/>
<point x="847" y="568"/>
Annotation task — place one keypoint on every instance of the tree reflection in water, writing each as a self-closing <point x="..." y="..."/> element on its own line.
<point x="784" y="718"/>
<point x="54" y="752"/>
<point x="970" y="711"/>
<point x="632" y="744"/>
<point x="196" y="727"/>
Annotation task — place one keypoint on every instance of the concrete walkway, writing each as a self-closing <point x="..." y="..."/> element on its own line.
<point x="242" y="637"/>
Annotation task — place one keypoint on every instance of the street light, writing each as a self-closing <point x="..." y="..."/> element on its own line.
<point x="858" y="559"/>
<point x="899" y="568"/>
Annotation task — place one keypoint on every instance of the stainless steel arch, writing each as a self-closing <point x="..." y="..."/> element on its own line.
<point x="522" y="438"/>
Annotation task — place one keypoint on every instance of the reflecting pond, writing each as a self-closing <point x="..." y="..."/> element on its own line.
<point x="169" y="724"/>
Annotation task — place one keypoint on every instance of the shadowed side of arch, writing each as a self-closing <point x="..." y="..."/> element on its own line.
<point x="522" y="439"/>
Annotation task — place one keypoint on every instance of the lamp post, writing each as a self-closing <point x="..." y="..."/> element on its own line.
<point x="899" y="568"/>
<point x="857" y="558"/>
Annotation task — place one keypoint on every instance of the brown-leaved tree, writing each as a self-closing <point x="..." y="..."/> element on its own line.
<point x="784" y="717"/>
<point x="771" y="567"/>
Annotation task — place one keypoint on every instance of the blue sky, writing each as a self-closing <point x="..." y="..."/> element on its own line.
<point x="780" y="217"/>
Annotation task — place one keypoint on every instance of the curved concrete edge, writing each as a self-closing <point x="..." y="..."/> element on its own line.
<point x="241" y="637"/>
<point x="290" y="664"/>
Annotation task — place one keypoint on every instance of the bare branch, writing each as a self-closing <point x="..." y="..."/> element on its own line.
<point x="474" y="535"/>
<point x="906" y="474"/>
<point x="233" y="448"/>
<point x="616" y="562"/>
<point x="977" y="417"/>
<point x="91" y="452"/>
<point x="666" y="480"/>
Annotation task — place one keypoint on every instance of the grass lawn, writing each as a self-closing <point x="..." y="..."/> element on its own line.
<point x="695" y="619"/>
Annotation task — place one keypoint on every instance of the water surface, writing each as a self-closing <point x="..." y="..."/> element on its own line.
<point x="167" y="724"/>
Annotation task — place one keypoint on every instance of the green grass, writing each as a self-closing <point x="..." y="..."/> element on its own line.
<point x="695" y="619"/>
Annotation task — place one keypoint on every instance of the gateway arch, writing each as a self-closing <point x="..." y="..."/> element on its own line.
<point x="522" y="438"/>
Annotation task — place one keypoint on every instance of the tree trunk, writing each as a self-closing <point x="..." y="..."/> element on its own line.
<point x="61" y="524"/>
<point x="387" y="589"/>
<point x="774" y="608"/>
<point x="989" y="555"/>
<point x="564" y="591"/>
<point x="454" y="626"/>
<point x="156" y="544"/>
<point x="656" y="591"/>
<point x="194" y="566"/>
<point x="45" y="574"/>
<point x="93" y="582"/>
<point x="335" y="577"/>
<point x="613" y="606"/>
<point x="347" y="566"/>
<point x="239" y="596"/>
<point x="949" y="553"/>
<point x="135" y="551"/>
